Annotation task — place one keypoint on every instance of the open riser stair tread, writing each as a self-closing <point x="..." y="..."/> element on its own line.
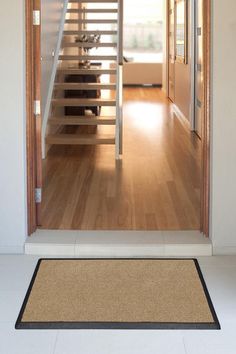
<point x="84" y="86"/>
<point x="80" y="139"/>
<point x="82" y="120"/>
<point x="93" y="1"/>
<point x="74" y="71"/>
<point x="88" y="57"/>
<point x="82" y="102"/>
<point x="87" y="32"/>
<point x="91" y="21"/>
<point x="88" y="45"/>
<point x="79" y="11"/>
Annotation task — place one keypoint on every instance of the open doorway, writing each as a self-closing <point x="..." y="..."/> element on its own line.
<point x="160" y="183"/>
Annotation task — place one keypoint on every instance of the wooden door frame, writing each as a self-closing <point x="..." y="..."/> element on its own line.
<point x="33" y="118"/>
<point x="206" y="131"/>
<point x="30" y="131"/>
<point x="33" y="127"/>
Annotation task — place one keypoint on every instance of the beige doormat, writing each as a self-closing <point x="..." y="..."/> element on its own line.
<point x="117" y="294"/>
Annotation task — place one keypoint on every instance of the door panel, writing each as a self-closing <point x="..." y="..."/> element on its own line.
<point x="199" y="68"/>
<point x="171" y="49"/>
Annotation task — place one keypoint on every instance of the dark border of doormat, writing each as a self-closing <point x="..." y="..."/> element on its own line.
<point x="119" y="325"/>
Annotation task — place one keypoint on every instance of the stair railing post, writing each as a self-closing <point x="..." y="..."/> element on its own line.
<point x="119" y="90"/>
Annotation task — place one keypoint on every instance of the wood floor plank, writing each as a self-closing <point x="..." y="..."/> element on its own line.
<point x="156" y="185"/>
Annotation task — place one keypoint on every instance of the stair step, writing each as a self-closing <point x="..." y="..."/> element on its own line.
<point x="79" y="32"/>
<point x="83" y="86"/>
<point x="87" y="57"/>
<point x="92" y="1"/>
<point x="75" y="71"/>
<point x="82" y="120"/>
<point x="82" y="102"/>
<point x="76" y="11"/>
<point x="79" y="139"/>
<point x="88" y="45"/>
<point x="90" y="21"/>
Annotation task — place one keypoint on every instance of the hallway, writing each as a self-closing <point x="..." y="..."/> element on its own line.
<point x="156" y="185"/>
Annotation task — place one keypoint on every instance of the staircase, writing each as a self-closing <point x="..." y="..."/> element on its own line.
<point x="89" y="82"/>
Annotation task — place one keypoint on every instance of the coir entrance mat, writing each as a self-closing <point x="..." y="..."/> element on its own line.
<point x="117" y="294"/>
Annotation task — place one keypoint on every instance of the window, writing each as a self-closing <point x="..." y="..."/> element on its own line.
<point x="143" y="30"/>
<point x="181" y="31"/>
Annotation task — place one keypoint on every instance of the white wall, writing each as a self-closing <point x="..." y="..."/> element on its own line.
<point x="51" y="18"/>
<point x="224" y="126"/>
<point x="12" y="131"/>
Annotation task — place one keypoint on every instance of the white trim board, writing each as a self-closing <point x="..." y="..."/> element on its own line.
<point x="118" y="244"/>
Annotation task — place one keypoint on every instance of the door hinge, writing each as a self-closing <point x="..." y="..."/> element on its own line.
<point x="199" y="31"/>
<point x="199" y="67"/>
<point x="36" y="17"/>
<point x="38" y="195"/>
<point x="199" y="103"/>
<point x="37" y="108"/>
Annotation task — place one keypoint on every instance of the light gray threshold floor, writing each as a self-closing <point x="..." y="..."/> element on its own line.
<point x="118" y="244"/>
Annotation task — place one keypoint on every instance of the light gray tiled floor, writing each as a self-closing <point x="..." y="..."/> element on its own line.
<point x="219" y="273"/>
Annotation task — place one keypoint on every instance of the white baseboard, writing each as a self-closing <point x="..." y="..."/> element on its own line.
<point x="181" y="117"/>
<point x="224" y="250"/>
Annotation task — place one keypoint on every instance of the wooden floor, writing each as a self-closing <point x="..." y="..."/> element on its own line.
<point x="156" y="185"/>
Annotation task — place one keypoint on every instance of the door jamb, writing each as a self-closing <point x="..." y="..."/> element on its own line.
<point x="30" y="122"/>
<point x="206" y="133"/>
<point x="33" y="117"/>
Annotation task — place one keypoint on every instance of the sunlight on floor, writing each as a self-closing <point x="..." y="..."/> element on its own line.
<point x="145" y="116"/>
